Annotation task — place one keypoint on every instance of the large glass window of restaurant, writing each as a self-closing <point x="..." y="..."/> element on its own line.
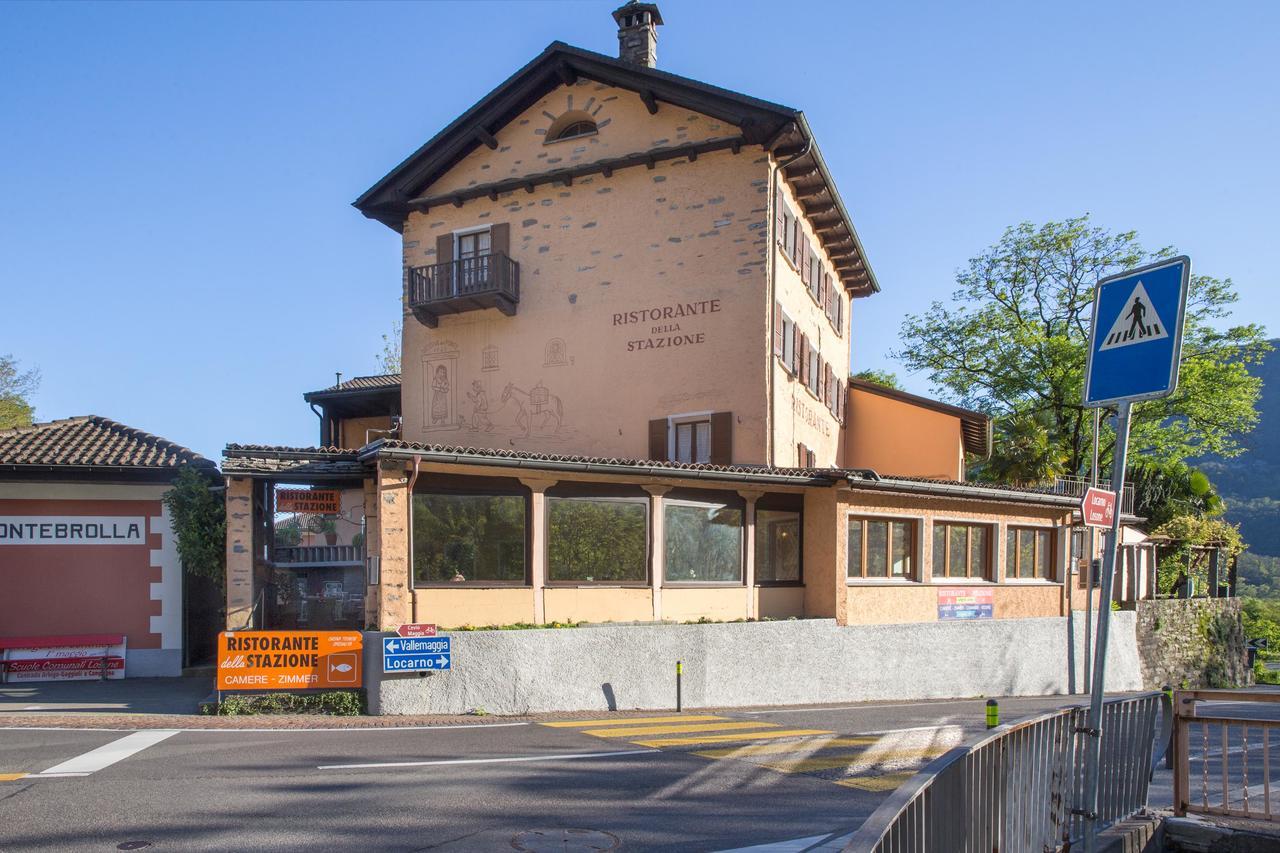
<point x="597" y="538"/>
<point x="961" y="550"/>
<point x="469" y="537"/>
<point x="703" y="541"/>
<point x="777" y="543"/>
<point x="881" y="548"/>
<point x="1028" y="553"/>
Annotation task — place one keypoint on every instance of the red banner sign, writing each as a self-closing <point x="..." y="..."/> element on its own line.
<point x="416" y="630"/>
<point x="1098" y="508"/>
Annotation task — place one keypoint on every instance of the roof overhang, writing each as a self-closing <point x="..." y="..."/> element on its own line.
<point x="975" y="427"/>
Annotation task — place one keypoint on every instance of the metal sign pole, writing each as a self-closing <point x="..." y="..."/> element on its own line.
<point x="1093" y="755"/>
<point x="1089" y="573"/>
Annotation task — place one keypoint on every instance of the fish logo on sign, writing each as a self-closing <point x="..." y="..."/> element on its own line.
<point x="1138" y="322"/>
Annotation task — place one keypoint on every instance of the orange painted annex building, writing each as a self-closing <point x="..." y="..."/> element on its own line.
<point x="625" y="393"/>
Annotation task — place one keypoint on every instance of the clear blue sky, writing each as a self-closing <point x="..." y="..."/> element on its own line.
<point x="178" y="250"/>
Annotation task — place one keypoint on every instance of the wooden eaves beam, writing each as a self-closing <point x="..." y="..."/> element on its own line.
<point x="486" y="137"/>
<point x="650" y="102"/>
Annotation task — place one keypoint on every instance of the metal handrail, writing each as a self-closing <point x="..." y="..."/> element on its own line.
<point x="494" y="273"/>
<point x="1075" y="487"/>
<point x="1021" y="786"/>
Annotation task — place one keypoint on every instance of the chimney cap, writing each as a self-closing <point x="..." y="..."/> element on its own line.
<point x="634" y="6"/>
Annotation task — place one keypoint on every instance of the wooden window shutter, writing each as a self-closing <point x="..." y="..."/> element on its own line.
<point x="444" y="248"/>
<point x="801" y="454"/>
<point x="804" y="260"/>
<point x="722" y="438"/>
<point x="779" y="217"/>
<point x="795" y="349"/>
<point x="795" y="240"/>
<point x="658" y="440"/>
<point x="500" y="238"/>
<point x="778" y="340"/>
<point x="822" y="290"/>
<point x="838" y="299"/>
<point x="804" y="359"/>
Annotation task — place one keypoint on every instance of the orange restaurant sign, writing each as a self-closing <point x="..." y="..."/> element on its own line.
<point x="317" y="501"/>
<point x="289" y="660"/>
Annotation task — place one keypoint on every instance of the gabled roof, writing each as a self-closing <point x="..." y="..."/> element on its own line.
<point x="91" y="444"/>
<point x="381" y="382"/>
<point x="783" y="130"/>
<point x="975" y="427"/>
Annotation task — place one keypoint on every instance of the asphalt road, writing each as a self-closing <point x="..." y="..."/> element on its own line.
<point x="702" y="781"/>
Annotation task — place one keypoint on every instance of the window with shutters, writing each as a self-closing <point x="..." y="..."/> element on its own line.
<point x="881" y="548"/>
<point x="813" y="380"/>
<point x="814" y="277"/>
<point x="696" y="438"/>
<point x="692" y="441"/>
<point x="788" y="354"/>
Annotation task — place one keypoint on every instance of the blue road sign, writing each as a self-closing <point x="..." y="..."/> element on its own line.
<point x="1136" y="339"/>
<point x="416" y="654"/>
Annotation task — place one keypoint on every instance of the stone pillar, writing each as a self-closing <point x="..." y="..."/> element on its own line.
<point x="372" y="548"/>
<point x="658" y="547"/>
<point x="240" y="592"/>
<point x="538" y="544"/>
<point x="395" y="599"/>
<point x="749" y="557"/>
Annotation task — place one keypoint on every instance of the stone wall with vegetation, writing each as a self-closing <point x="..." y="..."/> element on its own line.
<point x="1197" y="642"/>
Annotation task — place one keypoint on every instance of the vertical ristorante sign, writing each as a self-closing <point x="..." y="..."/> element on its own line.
<point x="666" y="326"/>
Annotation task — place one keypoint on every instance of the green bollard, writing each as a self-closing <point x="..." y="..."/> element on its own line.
<point x="993" y="713"/>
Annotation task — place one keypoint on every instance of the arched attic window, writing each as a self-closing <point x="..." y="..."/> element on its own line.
<point x="571" y="125"/>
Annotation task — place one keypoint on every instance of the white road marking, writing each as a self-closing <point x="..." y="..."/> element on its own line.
<point x="923" y="703"/>
<point x="359" y="729"/>
<point x="104" y="756"/>
<point x="812" y="843"/>
<point x="558" y="757"/>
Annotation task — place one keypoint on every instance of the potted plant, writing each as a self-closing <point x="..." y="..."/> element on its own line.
<point x="320" y="524"/>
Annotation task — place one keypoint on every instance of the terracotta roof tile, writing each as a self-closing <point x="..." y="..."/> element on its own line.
<point x="92" y="441"/>
<point x="361" y="383"/>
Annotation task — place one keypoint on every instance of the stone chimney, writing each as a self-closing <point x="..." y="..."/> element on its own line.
<point x="638" y="32"/>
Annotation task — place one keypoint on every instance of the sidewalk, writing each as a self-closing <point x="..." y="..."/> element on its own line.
<point x="120" y="696"/>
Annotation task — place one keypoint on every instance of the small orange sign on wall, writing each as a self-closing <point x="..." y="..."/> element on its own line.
<point x="289" y="660"/>
<point x="315" y="501"/>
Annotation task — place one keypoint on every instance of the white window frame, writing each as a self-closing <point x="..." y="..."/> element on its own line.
<point x="688" y="418"/>
<point x="788" y="342"/>
<point x="465" y="232"/>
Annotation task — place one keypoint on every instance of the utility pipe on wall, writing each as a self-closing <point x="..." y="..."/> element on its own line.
<point x="413" y="589"/>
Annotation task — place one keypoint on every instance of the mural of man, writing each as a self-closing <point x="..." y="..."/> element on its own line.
<point x="479" y="407"/>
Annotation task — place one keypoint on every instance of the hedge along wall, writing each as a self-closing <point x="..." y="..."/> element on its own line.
<point x="1192" y="642"/>
<point x="752" y="663"/>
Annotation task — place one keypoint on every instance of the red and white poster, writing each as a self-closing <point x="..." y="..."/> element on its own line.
<point x="88" y="658"/>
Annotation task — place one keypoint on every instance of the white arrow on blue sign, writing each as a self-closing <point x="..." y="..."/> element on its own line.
<point x="416" y="654"/>
<point x="1135" y="342"/>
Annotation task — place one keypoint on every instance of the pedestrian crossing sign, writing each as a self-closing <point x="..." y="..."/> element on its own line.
<point x="1135" y="341"/>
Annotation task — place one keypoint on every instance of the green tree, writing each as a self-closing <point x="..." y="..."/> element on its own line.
<point x="1165" y="490"/>
<point x="16" y="388"/>
<point x="1023" y="452"/>
<point x="1013" y="341"/>
<point x="389" y="358"/>
<point x="200" y="521"/>
<point x="887" y="378"/>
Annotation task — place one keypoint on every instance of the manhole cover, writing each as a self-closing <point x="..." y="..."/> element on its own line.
<point x="564" y="840"/>
<point x="133" y="845"/>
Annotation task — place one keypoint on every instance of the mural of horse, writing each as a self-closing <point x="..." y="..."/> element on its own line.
<point x="535" y="409"/>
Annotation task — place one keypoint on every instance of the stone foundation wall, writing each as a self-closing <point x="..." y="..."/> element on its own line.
<point x="1196" y="642"/>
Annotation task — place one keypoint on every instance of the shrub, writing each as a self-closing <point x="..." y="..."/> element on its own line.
<point x="333" y="703"/>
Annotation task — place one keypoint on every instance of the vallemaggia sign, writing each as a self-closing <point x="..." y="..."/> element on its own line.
<point x="289" y="660"/>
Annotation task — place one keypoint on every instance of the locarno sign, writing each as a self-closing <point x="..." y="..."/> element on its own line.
<point x="72" y="530"/>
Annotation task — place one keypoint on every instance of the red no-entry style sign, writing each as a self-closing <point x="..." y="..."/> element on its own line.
<point x="1098" y="508"/>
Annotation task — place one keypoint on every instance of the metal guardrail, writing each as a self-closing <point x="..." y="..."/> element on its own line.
<point x="1228" y="755"/>
<point x="1022" y="787"/>
<point x="1076" y="487"/>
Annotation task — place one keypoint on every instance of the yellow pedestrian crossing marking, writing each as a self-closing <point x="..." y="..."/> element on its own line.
<point x="876" y="763"/>
<point x="631" y="721"/>
<point x="709" y="738"/>
<point x="677" y="728"/>
<point x="12" y="777"/>
<point x="783" y="747"/>
<point x="887" y="782"/>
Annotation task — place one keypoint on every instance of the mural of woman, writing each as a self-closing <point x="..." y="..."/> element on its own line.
<point x="440" y="396"/>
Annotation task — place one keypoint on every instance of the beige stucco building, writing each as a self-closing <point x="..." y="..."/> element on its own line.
<point x="625" y="392"/>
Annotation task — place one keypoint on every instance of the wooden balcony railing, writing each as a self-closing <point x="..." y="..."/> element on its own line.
<point x="467" y="284"/>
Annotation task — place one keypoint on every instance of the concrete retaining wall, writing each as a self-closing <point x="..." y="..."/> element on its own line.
<point x="735" y="664"/>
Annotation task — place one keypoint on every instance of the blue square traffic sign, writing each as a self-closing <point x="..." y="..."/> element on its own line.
<point x="416" y="654"/>
<point x="1135" y="342"/>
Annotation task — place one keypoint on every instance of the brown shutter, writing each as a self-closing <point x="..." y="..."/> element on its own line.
<point x="795" y="242"/>
<point x="804" y="260"/>
<point x="822" y="290"/>
<point x="658" y="440"/>
<point x="500" y="238"/>
<point x="444" y="248"/>
<point x="779" y="220"/>
<point x="804" y="360"/>
<point x="838" y="299"/>
<point x="722" y="438"/>
<point x="795" y="349"/>
<point x="777" y="329"/>
<point x="801" y="454"/>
